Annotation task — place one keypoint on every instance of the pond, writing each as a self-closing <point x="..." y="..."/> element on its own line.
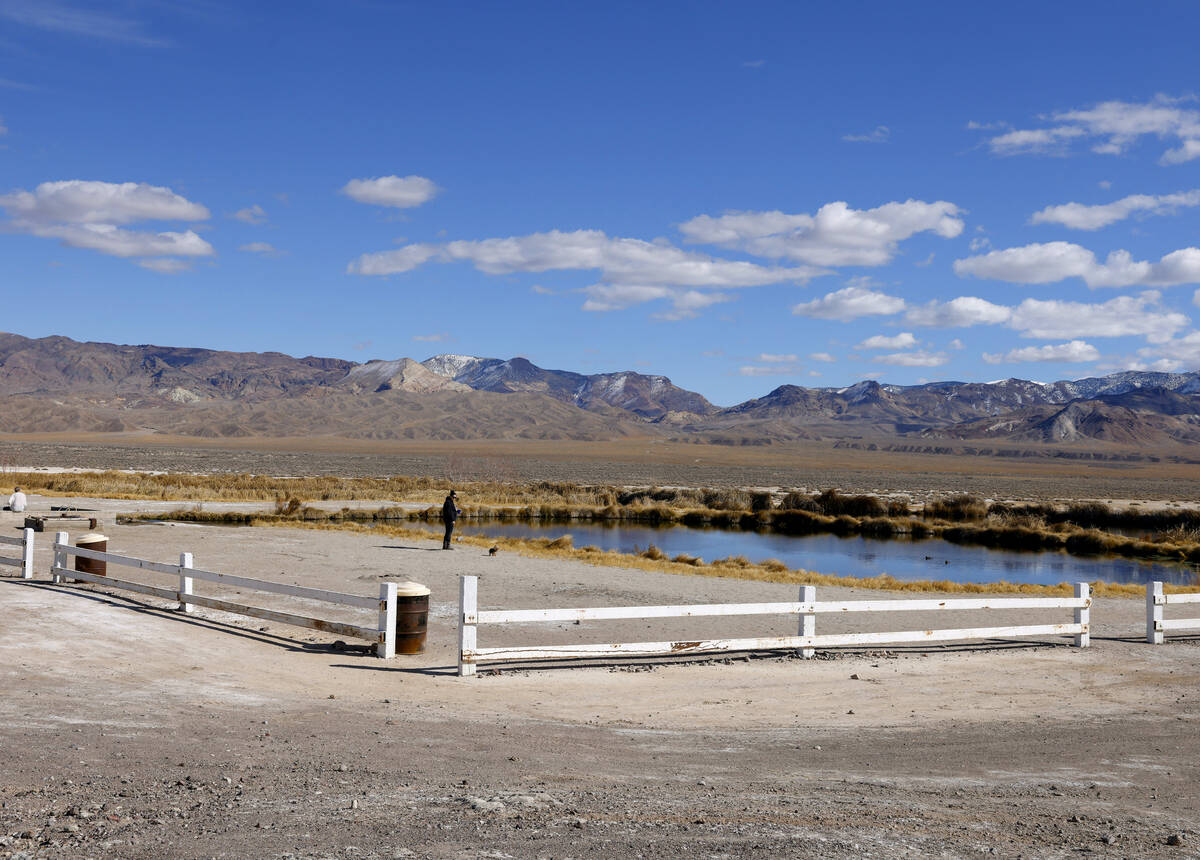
<point x="858" y="556"/>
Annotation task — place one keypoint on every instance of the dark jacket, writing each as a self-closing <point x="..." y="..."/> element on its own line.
<point x="449" y="511"/>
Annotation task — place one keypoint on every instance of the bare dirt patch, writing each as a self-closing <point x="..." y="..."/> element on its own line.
<point x="130" y="730"/>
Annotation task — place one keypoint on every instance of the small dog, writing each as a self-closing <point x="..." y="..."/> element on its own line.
<point x="493" y="550"/>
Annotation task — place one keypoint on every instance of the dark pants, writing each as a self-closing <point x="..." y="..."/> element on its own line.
<point x="449" y="530"/>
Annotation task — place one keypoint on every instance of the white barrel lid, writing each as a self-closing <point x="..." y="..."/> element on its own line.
<point x="90" y="537"/>
<point x="411" y="589"/>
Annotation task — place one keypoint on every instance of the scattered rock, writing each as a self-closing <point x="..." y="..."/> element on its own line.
<point x="1176" y="839"/>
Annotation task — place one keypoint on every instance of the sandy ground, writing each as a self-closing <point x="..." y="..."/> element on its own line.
<point x="131" y="730"/>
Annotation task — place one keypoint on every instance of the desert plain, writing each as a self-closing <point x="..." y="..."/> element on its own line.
<point x="130" y="729"/>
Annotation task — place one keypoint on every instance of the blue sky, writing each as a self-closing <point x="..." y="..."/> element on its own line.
<point x="735" y="195"/>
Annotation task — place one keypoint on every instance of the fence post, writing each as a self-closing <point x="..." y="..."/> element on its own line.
<point x="1154" y="612"/>
<point x="27" y="555"/>
<point x="61" y="539"/>
<point x="185" y="581"/>
<point x="1083" y="615"/>
<point x="468" y="608"/>
<point x="808" y="621"/>
<point x="386" y="646"/>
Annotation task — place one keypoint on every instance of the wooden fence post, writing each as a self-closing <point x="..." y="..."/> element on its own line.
<point x="386" y="647"/>
<point x="1083" y="615"/>
<point x="1154" y="613"/>
<point x="185" y="581"/>
<point x="468" y="607"/>
<point x="61" y="539"/>
<point x="27" y="555"/>
<point x="808" y="621"/>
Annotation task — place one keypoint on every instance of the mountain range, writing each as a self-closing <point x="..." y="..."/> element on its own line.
<point x="55" y="384"/>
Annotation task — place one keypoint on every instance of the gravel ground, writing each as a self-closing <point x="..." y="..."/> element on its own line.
<point x="131" y="730"/>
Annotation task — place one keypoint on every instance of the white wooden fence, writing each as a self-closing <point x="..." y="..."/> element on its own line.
<point x="25" y="562"/>
<point x="1156" y="625"/>
<point x="806" y="640"/>
<point x="383" y="634"/>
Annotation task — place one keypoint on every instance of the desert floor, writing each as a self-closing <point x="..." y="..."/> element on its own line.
<point x="131" y="730"/>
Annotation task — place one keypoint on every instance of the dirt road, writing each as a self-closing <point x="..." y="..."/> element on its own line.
<point x="130" y="730"/>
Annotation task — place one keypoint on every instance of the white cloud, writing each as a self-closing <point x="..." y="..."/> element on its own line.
<point x="78" y="201"/>
<point x="542" y="291"/>
<point x="264" y="248"/>
<point x="402" y="192"/>
<point x="770" y="370"/>
<point x="920" y="358"/>
<point x="614" y="297"/>
<point x="117" y="242"/>
<point x="85" y="214"/>
<point x="822" y="356"/>
<point x="633" y="270"/>
<point x="774" y="358"/>
<point x="165" y="265"/>
<point x="1178" y="352"/>
<point x="1196" y="298"/>
<point x="980" y="243"/>
<point x="1074" y="351"/>
<point x="431" y="338"/>
<point x="835" y="236"/>
<point x="1056" y="261"/>
<point x="956" y="344"/>
<point x="958" y="313"/>
<point x="1077" y="216"/>
<point x="1120" y="317"/>
<point x="1112" y="127"/>
<point x="850" y="303"/>
<point x="879" y="135"/>
<point x="901" y="341"/>
<point x="3" y="127"/>
<point x="251" y="214"/>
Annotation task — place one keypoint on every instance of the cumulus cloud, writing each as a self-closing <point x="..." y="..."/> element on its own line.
<point x="1196" y="298"/>
<point x="900" y="341"/>
<point x="850" y="303"/>
<point x="1111" y="128"/>
<point x="920" y="358"/>
<point x="772" y="369"/>
<point x="822" y="356"/>
<point x="251" y="214"/>
<point x="401" y="192"/>
<point x="77" y="201"/>
<point x="1077" y="216"/>
<point x="958" y="313"/>
<point x="1177" y="352"/>
<point x="264" y="248"/>
<point x="86" y="214"/>
<point x="165" y="265"/>
<point x="956" y="344"/>
<point x="879" y="135"/>
<point x="1123" y="316"/>
<point x="633" y="270"/>
<point x="835" y="236"/>
<point x="1056" y="261"/>
<point x="1074" y="351"/>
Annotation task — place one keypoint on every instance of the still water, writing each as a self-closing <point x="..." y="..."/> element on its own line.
<point x="857" y="556"/>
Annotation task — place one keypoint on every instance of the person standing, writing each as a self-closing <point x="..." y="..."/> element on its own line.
<point x="450" y="512"/>
<point x="17" y="501"/>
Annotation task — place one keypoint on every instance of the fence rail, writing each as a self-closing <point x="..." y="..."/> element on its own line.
<point x="383" y="634"/>
<point x="806" y="640"/>
<point x="1156" y="601"/>
<point x="25" y="562"/>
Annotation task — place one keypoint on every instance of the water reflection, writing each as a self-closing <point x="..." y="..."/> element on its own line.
<point x="857" y="556"/>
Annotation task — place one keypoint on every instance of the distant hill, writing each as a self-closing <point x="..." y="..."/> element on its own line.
<point x="55" y="384"/>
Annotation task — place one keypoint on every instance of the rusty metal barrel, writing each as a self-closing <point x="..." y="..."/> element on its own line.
<point x="412" y="617"/>
<point x="99" y="543"/>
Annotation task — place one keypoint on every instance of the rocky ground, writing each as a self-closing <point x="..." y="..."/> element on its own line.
<point x="131" y="730"/>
